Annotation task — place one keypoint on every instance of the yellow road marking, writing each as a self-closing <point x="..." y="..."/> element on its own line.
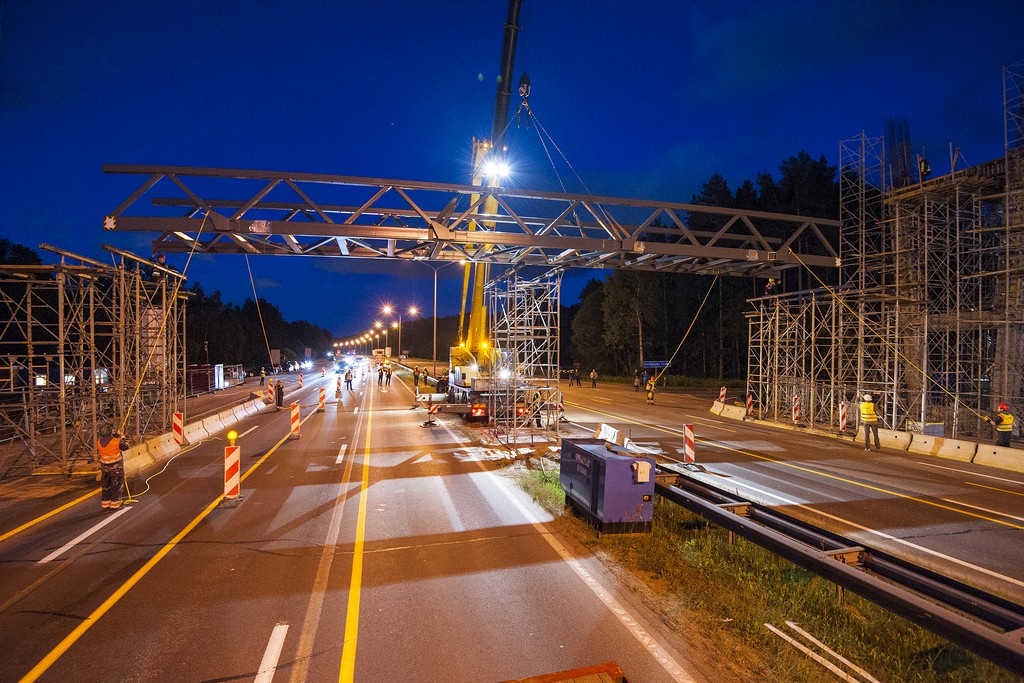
<point x="995" y="488"/>
<point x="46" y="662"/>
<point x="49" y="514"/>
<point x="346" y="674"/>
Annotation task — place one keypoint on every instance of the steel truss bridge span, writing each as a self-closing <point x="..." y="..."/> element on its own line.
<point x="225" y="211"/>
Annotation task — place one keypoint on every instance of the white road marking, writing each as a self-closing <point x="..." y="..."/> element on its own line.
<point x="670" y="665"/>
<point x="82" y="536"/>
<point x="273" y="652"/>
<point x="341" y="454"/>
<point x="968" y="472"/>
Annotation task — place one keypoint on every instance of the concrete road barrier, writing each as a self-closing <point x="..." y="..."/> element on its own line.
<point x="954" y="449"/>
<point x="733" y="412"/>
<point x="889" y="438"/>
<point x="137" y="459"/>
<point x="213" y="424"/>
<point x="1003" y="457"/>
<point x="717" y="407"/>
<point x="195" y="432"/>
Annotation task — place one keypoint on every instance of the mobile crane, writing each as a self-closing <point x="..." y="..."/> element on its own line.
<point x="469" y="363"/>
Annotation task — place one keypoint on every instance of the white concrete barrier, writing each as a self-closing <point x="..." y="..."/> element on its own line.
<point x="213" y="424"/>
<point x="733" y="412"/>
<point x="239" y="412"/>
<point x="227" y="417"/>
<point x="195" y="432"/>
<point x="888" y="438"/>
<point x="162" y="447"/>
<point x="954" y="449"/>
<point x="1003" y="457"/>
<point x="137" y="459"/>
<point x="717" y="407"/>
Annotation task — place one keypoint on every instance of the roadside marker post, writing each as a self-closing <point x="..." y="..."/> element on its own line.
<point x="232" y="471"/>
<point x="178" y="427"/>
<point x="689" y="452"/>
<point x="294" y="434"/>
<point x="322" y="401"/>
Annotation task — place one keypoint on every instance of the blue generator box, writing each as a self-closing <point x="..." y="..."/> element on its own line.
<point x="613" y="490"/>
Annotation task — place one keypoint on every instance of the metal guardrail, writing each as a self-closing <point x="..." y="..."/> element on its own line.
<point x="987" y="625"/>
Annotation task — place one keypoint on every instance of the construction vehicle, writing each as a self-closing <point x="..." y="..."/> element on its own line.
<point x="471" y="363"/>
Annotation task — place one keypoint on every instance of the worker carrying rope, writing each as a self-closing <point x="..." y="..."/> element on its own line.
<point x="1003" y="422"/>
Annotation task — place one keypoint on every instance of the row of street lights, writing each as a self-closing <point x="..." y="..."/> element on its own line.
<point x="388" y="310"/>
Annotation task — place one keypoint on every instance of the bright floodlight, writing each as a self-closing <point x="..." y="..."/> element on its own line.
<point x="496" y="168"/>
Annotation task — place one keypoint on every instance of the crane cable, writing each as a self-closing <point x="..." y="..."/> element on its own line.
<point x="259" y="313"/>
<point x="658" y="375"/>
<point x="888" y="344"/>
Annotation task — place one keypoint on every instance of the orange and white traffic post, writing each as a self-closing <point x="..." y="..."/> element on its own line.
<point x="721" y="395"/>
<point x="178" y="428"/>
<point x="294" y="434"/>
<point x="322" y="400"/>
<point x="232" y="469"/>
<point x="689" y="452"/>
<point x="300" y="380"/>
<point x="270" y="391"/>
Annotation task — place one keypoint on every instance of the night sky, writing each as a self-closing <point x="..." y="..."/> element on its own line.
<point x="644" y="99"/>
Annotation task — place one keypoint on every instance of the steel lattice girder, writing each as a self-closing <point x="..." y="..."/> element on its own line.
<point x="305" y="214"/>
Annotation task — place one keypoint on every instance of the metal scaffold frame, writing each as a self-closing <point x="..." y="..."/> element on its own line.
<point x="84" y="344"/>
<point x="525" y="319"/>
<point x="929" y="313"/>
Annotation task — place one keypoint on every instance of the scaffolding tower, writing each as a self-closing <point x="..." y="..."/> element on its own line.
<point x="525" y="396"/>
<point x="85" y="344"/>
<point x="929" y="313"/>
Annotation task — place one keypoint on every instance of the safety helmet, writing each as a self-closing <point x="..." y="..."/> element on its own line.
<point x="106" y="430"/>
<point x="867" y="397"/>
<point x="1003" y="406"/>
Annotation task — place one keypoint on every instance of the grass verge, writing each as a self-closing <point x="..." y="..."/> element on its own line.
<point x="727" y="592"/>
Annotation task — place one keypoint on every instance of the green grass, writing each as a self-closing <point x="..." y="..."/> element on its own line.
<point x="722" y="594"/>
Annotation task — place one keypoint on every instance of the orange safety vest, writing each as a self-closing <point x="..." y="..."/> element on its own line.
<point x="110" y="452"/>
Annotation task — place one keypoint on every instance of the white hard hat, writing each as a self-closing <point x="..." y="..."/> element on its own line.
<point x="867" y="397"/>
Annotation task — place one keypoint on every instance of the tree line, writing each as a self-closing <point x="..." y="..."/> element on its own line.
<point x="636" y="316"/>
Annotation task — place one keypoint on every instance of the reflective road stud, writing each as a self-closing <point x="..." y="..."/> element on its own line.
<point x="177" y="426"/>
<point x="322" y="401"/>
<point x="689" y="456"/>
<point x="295" y="422"/>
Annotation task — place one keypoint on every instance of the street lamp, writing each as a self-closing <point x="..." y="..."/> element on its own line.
<point x="435" y="269"/>
<point x="390" y="310"/>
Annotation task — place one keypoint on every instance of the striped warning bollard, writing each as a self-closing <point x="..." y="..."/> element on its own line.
<point x="270" y="391"/>
<point x="300" y="380"/>
<point x="232" y="467"/>
<point x="721" y="395"/>
<point x="178" y="428"/>
<point x="689" y="456"/>
<point x="750" y="404"/>
<point x="337" y="392"/>
<point x="295" y="422"/>
<point x="322" y="401"/>
<point x="842" y="416"/>
<point x="796" y="409"/>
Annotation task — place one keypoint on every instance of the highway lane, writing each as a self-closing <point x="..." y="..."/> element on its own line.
<point x="962" y="520"/>
<point x="370" y="548"/>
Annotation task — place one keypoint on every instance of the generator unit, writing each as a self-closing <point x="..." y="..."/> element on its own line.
<point x="608" y="486"/>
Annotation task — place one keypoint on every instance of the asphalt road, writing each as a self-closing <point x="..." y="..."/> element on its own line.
<point x="370" y="548"/>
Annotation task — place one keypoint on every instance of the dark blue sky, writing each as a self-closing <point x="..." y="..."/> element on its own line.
<point x="644" y="99"/>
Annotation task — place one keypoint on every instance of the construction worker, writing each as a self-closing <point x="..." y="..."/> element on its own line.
<point x="869" y="419"/>
<point x="650" y="390"/>
<point x="279" y="395"/>
<point x="263" y="376"/>
<point x="109" y="449"/>
<point x="1003" y="422"/>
